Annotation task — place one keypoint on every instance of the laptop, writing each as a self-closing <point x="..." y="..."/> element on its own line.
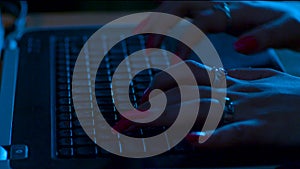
<point x="40" y="129"/>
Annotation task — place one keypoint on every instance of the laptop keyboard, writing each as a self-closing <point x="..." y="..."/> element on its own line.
<point x="71" y="139"/>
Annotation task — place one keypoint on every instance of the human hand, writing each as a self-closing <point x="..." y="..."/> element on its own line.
<point x="265" y="106"/>
<point x="266" y="111"/>
<point x="177" y="100"/>
<point x="261" y="24"/>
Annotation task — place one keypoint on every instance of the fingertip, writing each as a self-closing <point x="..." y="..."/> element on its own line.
<point x="154" y="41"/>
<point x="122" y="125"/>
<point x="192" y="138"/>
<point x="246" y="45"/>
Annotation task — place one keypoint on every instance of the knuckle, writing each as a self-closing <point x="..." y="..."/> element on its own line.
<point x="240" y="132"/>
<point x="270" y="71"/>
<point x="193" y="65"/>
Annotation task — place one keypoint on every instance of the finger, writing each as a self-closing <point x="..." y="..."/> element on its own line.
<point x="211" y="21"/>
<point x="208" y="21"/>
<point x="169" y="115"/>
<point x="247" y="106"/>
<point x="251" y="74"/>
<point x="165" y="82"/>
<point x="236" y="134"/>
<point x="156" y="22"/>
<point x="280" y="33"/>
<point x="246" y="88"/>
<point x="174" y="94"/>
<point x="202" y="73"/>
<point x="159" y="23"/>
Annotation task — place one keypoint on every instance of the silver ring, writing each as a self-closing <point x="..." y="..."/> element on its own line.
<point x="219" y="75"/>
<point x="224" y="7"/>
<point x="228" y="113"/>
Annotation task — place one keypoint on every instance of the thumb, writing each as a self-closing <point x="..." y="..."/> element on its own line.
<point x="279" y="33"/>
<point x="236" y="134"/>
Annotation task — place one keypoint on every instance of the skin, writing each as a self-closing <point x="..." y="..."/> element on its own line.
<point x="272" y="24"/>
<point x="263" y="109"/>
<point x="265" y="100"/>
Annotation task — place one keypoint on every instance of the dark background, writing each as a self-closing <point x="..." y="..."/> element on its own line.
<point x="66" y="6"/>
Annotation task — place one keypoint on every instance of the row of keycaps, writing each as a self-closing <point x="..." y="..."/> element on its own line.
<point x="70" y="134"/>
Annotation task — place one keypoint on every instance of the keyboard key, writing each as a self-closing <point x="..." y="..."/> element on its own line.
<point x="103" y="93"/>
<point x="107" y="109"/>
<point x="133" y="48"/>
<point x="111" y="117"/>
<point x="102" y="86"/>
<point x="115" y="146"/>
<point x="114" y="62"/>
<point x="135" y="147"/>
<point x="105" y="101"/>
<point x="79" y="132"/>
<point x="100" y="79"/>
<point x="141" y="86"/>
<point x="86" y="151"/>
<point x="65" y="141"/>
<point x="65" y="109"/>
<point x="133" y="41"/>
<point x="64" y="116"/>
<point x="123" y="91"/>
<point x="65" y="101"/>
<point x="64" y="93"/>
<point x="116" y="50"/>
<point x="64" y="87"/>
<point x="83" y="114"/>
<point x="65" y="133"/>
<point x="66" y="152"/>
<point x="142" y="79"/>
<point x="83" y="141"/>
<point x="83" y="122"/>
<point x="65" y="125"/>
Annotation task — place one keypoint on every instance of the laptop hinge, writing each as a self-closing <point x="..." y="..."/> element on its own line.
<point x="13" y="152"/>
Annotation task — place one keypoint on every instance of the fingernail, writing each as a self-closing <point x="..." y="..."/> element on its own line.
<point x="145" y="96"/>
<point x="246" y="45"/>
<point x="192" y="138"/>
<point x="150" y="41"/>
<point x="121" y="125"/>
<point x="141" y="26"/>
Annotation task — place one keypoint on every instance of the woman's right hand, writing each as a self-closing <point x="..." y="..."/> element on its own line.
<point x="260" y="24"/>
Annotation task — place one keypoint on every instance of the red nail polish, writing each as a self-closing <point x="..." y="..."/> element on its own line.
<point x="192" y="138"/>
<point x="145" y="96"/>
<point x="246" y="45"/>
<point x="154" y="41"/>
<point x="150" y="41"/>
<point x="122" y="125"/>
